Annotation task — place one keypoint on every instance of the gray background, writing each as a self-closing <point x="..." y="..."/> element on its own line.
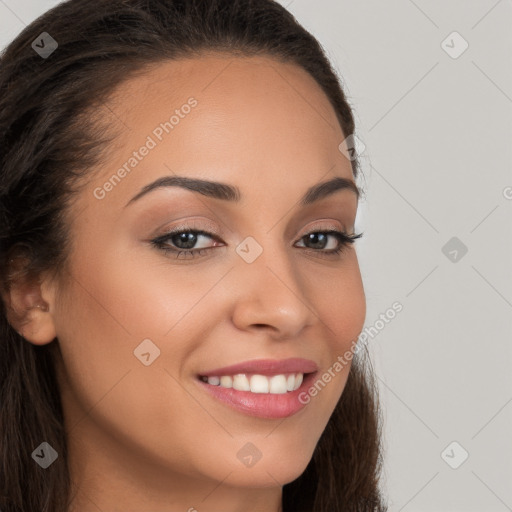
<point x="437" y="163"/>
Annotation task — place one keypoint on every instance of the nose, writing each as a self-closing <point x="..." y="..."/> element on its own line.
<point x="271" y="295"/>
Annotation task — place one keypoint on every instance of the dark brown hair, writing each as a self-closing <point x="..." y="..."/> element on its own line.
<point x="51" y="136"/>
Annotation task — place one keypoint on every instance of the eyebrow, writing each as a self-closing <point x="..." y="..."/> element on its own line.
<point x="231" y="193"/>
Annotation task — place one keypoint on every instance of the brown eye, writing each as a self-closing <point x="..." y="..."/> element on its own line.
<point x="319" y="240"/>
<point x="183" y="242"/>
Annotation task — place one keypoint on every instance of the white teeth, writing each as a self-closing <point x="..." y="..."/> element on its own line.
<point x="276" y="384"/>
<point x="241" y="382"/>
<point x="226" y="381"/>
<point x="259" y="384"/>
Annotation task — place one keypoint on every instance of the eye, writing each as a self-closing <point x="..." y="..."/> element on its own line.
<point x="337" y="240"/>
<point x="185" y="242"/>
<point x="182" y="243"/>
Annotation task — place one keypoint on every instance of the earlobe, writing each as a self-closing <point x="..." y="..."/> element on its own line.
<point x="28" y="312"/>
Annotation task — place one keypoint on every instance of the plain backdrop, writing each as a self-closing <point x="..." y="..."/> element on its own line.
<point x="431" y="86"/>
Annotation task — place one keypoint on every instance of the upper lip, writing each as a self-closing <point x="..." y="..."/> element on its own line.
<point x="266" y="367"/>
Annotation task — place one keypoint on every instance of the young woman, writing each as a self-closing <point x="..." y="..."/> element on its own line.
<point x="181" y="296"/>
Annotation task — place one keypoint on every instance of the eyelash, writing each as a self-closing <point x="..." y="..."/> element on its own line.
<point x="160" y="242"/>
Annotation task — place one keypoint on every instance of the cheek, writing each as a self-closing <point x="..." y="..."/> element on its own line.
<point x="101" y="320"/>
<point x="340" y="303"/>
<point x="137" y="296"/>
<point x="341" y="306"/>
<point x="103" y="317"/>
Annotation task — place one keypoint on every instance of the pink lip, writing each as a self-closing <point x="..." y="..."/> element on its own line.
<point x="263" y="405"/>
<point x="266" y="367"/>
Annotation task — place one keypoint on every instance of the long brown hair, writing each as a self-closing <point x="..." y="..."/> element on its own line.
<point x="50" y="137"/>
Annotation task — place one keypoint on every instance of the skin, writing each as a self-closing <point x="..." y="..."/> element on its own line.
<point x="148" y="437"/>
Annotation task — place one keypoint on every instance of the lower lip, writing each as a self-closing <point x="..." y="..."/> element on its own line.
<point x="263" y="405"/>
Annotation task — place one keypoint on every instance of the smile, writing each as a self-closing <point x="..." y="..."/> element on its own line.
<point x="263" y="388"/>
<point x="276" y="384"/>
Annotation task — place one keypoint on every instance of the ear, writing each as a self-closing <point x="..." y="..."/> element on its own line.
<point x="28" y="311"/>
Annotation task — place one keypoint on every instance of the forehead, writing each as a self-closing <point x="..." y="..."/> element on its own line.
<point x="241" y="120"/>
<point x="225" y="81"/>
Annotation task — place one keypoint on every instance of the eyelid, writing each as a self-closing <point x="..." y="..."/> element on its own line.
<point x="204" y="225"/>
<point x="199" y="224"/>
<point x="323" y="225"/>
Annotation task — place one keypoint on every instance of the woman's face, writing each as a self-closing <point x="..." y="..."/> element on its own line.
<point x="143" y="319"/>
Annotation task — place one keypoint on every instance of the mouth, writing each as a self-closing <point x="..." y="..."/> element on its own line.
<point x="255" y="383"/>
<point x="264" y="388"/>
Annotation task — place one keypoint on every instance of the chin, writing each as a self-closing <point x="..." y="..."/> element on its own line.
<point x="275" y="470"/>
